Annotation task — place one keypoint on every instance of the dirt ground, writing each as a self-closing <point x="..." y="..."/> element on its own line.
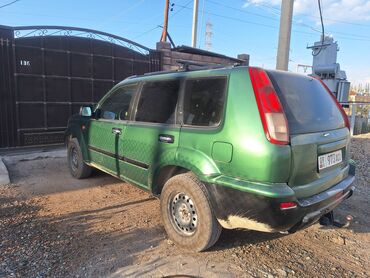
<point x="52" y="225"/>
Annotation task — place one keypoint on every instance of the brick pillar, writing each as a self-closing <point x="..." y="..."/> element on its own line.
<point x="165" y="48"/>
<point x="245" y="58"/>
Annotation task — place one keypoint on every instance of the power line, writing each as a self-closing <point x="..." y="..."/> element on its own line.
<point x="201" y="26"/>
<point x="242" y="11"/>
<point x="9" y="4"/>
<point x="269" y="6"/>
<point x="121" y="12"/>
<point x="159" y="25"/>
<point x="79" y="18"/>
<point x="185" y="5"/>
<point x="148" y="31"/>
<point x="340" y="21"/>
<point x="359" y="37"/>
<point x="263" y="16"/>
<point x="349" y="36"/>
<point x="322" y="29"/>
<point x="277" y="12"/>
<point x="236" y="19"/>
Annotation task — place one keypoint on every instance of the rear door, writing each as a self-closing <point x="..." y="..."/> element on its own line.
<point x="103" y="134"/>
<point x="318" y="136"/>
<point x="153" y="136"/>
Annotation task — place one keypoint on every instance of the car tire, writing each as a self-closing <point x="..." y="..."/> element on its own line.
<point x="181" y="195"/>
<point x="77" y="167"/>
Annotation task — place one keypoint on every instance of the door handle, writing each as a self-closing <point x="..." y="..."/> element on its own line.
<point x="116" y="131"/>
<point x="165" y="138"/>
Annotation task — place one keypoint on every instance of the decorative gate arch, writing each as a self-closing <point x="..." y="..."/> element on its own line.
<point x="48" y="72"/>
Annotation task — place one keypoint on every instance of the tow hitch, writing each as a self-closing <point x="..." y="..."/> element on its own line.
<point x="328" y="220"/>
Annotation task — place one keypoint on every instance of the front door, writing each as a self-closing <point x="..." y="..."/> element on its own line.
<point x="104" y="132"/>
<point x="153" y="136"/>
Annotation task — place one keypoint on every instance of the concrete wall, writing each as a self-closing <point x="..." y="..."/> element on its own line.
<point x="170" y="56"/>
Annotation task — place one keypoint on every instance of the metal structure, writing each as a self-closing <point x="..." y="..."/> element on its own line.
<point x="325" y="66"/>
<point x="209" y="35"/>
<point x="48" y="72"/>
<point x="305" y="68"/>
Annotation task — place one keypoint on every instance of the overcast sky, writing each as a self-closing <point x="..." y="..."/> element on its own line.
<point x="239" y="26"/>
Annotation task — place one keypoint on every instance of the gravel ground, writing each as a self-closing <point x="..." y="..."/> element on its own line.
<point x="53" y="225"/>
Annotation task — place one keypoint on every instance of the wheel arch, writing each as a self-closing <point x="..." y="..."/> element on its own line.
<point x="163" y="174"/>
<point x="73" y="132"/>
<point x="186" y="160"/>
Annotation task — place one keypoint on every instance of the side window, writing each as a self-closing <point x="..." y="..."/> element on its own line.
<point x="116" y="106"/>
<point x="204" y="101"/>
<point x="157" y="103"/>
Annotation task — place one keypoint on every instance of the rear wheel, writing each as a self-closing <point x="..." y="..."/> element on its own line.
<point x="187" y="215"/>
<point x="77" y="167"/>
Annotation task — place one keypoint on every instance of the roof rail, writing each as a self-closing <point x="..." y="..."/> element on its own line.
<point x="186" y="65"/>
<point x="159" y="72"/>
<point x="151" y="73"/>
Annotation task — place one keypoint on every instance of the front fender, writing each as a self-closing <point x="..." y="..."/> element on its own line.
<point x="74" y="131"/>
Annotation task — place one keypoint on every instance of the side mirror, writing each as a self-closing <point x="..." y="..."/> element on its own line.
<point x="85" y="111"/>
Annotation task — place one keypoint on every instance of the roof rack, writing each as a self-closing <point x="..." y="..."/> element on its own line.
<point x="186" y="65"/>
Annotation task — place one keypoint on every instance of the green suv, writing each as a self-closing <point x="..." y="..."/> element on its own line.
<point x="235" y="147"/>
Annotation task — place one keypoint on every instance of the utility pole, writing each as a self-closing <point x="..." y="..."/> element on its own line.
<point x="282" y="59"/>
<point x="165" y="24"/>
<point x="195" y="24"/>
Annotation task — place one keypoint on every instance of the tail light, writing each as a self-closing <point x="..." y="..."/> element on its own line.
<point x="288" y="205"/>
<point x="271" y="111"/>
<point x="344" y="115"/>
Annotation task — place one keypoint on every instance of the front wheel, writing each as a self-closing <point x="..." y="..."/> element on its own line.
<point x="187" y="214"/>
<point x="77" y="167"/>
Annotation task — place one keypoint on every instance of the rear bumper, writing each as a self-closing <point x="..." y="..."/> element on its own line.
<point x="237" y="209"/>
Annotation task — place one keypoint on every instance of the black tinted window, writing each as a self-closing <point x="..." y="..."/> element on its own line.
<point x="116" y="106"/>
<point x="204" y="101"/>
<point x="307" y="104"/>
<point x="157" y="103"/>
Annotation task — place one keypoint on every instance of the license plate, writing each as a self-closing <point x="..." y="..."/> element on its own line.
<point x="329" y="159"/>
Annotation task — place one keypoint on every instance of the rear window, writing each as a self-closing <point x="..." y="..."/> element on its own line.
<point x="307" y="104"/>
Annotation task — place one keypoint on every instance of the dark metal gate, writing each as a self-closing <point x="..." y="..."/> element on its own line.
<point x="48" y="72"/>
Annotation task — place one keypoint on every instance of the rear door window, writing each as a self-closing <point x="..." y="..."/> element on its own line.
<point x="158" y="101"/>
<point x="204" y="101"/>
<point x="308" y="106"/>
